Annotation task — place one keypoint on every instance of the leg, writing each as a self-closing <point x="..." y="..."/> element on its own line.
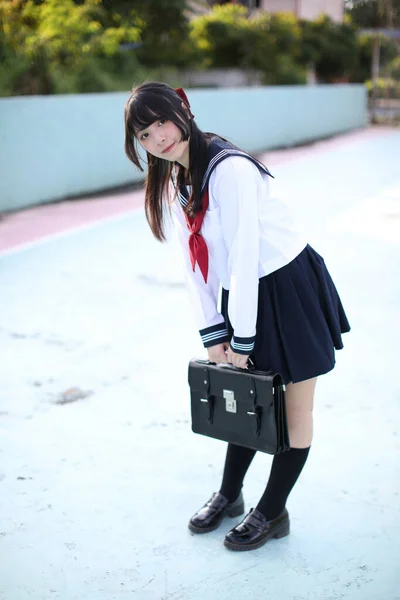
<point x="237" y="462"/>
<point x="228" y="502"/>
<point x="299" y="406"/>
<point x="287" y="466"/>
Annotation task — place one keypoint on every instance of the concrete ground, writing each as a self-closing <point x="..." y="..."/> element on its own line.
<point x="99" y="470"/>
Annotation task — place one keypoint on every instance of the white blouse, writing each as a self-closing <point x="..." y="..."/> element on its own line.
<point x="249" y="234"/>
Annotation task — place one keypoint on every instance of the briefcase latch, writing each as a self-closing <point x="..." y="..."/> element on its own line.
<point x="230" y="402"/>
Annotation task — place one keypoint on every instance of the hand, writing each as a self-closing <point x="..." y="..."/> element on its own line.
<point x="238" y="360"/>
<point x="217" y="354"/>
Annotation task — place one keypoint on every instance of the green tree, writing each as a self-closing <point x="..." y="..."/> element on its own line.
<point x="374" y="13"/>
<point x="228" y="37"/>
<point x="275" y="48"/>
<point x="388" y="51"/>
<point x="222" y="35"/>
<point x="164" y="31"/>
<point x="21" y="70"/>
<point x="330" y="47"/>
<point x="59" y="46"/>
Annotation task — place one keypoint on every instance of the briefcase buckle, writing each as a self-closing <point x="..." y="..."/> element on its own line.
<point x="230" y="402"/>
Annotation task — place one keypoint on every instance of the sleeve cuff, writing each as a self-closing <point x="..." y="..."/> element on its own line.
<point x="216" y="334"/>
<point x="242" y="345"/>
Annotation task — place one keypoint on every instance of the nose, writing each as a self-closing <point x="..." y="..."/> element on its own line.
<point x="160" y="138"/>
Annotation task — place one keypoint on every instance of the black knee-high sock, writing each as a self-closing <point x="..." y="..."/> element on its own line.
<point x="237" y="462"/>
<point x="286" y="468"/>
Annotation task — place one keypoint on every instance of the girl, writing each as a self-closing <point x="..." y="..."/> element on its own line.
<point x="279" y="304"/>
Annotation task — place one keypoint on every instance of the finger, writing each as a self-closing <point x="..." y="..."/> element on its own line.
<point x="221" y="358"/>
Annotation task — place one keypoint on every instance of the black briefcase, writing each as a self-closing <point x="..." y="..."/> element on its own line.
<point x="241" y="406"/>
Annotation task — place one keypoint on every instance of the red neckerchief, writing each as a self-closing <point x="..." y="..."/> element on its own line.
<point x="198" y="250"/>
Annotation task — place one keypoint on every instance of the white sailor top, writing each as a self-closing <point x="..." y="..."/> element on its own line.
<point x="249" y="235"/>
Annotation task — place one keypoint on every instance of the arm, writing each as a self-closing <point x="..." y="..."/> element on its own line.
<point x="236" y="185"/>
<point x="203" y="296"/>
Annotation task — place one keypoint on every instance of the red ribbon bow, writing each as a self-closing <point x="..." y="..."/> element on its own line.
<point x="198" y="250"/>
<point x="183" y="97"/>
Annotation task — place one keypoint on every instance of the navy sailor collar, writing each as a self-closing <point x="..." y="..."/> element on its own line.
<point x="218" y="150"/>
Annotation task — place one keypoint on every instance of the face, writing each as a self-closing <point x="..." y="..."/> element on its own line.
<point x="164" y="140"/>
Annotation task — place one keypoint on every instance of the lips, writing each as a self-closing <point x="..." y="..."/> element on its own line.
<point x="168" y="149"/>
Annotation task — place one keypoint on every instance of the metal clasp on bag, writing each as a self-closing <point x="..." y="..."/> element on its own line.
<point x="230" y="402"/>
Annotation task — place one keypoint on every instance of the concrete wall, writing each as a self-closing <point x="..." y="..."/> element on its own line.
<point x="53" y="147"/>
<point x="221" y="78"/>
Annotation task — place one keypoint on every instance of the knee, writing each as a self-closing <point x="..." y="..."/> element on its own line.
<point x="300" y="425"/>
<point x="300" y="439"/>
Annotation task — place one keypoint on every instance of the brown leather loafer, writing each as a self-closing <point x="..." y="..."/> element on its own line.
<point x="217" y="508"/>
<point x="254" y="531"/>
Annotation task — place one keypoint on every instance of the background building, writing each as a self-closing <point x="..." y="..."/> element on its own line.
<point x="305" y="9"/>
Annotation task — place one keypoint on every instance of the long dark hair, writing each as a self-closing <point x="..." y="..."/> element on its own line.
<point x="149" y="102"/>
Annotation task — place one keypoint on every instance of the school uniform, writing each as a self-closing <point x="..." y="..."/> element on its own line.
<point x="278" y="304"/>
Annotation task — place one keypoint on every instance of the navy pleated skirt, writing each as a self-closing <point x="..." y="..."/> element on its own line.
<point x="300" y="319"/>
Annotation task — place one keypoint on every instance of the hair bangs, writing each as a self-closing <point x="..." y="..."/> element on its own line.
<point x="143" y="114"/>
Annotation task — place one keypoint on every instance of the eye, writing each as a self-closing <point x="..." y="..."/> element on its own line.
<point x="143" y="136"/>
<point x="162" y="121"/>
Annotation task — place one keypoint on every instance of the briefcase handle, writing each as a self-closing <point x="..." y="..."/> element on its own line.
<point x="250" y="368"/>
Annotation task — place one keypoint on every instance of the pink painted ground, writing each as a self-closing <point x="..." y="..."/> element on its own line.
<point x="32" y="224"/>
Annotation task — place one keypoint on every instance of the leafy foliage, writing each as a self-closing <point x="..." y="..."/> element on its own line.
<point x="331" y="47"/>
<point x="44" y="44"/>
<point x="221" y="35"/>
<point x="374" y="13"/>
<point x="228" y="37"/>
<point x="388" y="53"/>
<point x="164" y="31"/>
<point x="386" y="87"/>
<point x="64" y="46"/>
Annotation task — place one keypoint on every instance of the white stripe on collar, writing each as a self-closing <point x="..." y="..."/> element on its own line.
<point x="229" y="152"/>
